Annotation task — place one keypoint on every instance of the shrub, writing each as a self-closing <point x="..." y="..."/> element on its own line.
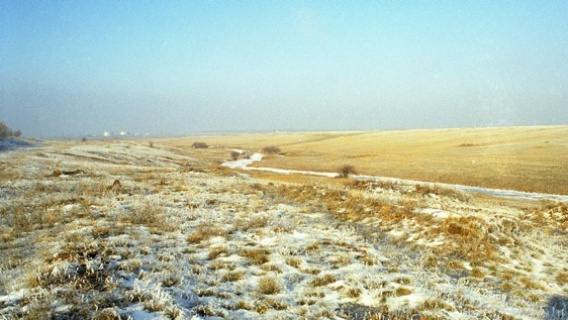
<point x="271" y="150"/>
<point x="6" y="132"/>
<point x="200" y="145"/>
<point x="346" y="170"/>
<point x="235" y="155"/>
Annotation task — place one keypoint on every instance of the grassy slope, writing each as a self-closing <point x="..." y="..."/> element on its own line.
<point x="181" y="237"/>
<point x="521" y="158"/>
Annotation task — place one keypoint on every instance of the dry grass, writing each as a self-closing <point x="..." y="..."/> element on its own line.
<point x="323" y="280"/>
<point x="360" y="241"/>
<point x="295" y="262"/>
<point x="520" y="158"/>
<point x="256" y="256"/>
<point x="203" y="232"/>
<point x="269" y="285"/>
<point x="216" y="251"/>
<point x="234" y="275"/>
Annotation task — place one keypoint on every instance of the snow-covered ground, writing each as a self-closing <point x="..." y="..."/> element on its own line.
<point x="112" y="230"/>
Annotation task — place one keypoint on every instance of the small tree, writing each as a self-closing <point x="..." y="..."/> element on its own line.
<point x="345" y="170"/>
<point x="271" y="150"/>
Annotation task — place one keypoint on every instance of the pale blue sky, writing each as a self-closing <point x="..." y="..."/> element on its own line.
<point x="175" y="67"/>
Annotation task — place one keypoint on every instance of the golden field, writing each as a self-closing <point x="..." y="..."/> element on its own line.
<point x="533" y="159"/>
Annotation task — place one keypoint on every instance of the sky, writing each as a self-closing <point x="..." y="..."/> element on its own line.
<point x="75" y="68"/>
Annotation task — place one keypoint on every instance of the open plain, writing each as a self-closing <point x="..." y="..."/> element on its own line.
<point x="119" y="229"/>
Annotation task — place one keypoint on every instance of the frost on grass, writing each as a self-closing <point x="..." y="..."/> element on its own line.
<point x="180" y="238"/>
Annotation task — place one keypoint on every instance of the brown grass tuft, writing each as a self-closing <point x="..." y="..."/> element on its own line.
<point x="256" y="256"/>
<point x="323" y="280"/>
<point x="233" y="276"/>
<point x="403" y="291"/>
<point x="216" y="252"/>
<point x="269" y="285"/>
<point x="562" y="277"/>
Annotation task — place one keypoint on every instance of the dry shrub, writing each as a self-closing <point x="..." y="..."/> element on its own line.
<point x="150" y="215"/>
<point x="233" y="276"/>
<point x="107" y="314"/>
<point x="243" y="305"/>
<point x="276" y="304"/>
<point x="403" y="291"/>
<point x="353" y="292"/>
<point x="454" y="265"/>
<point x="93" y="189"/>
<point x="554" y="214"/>
<point x="562" y="277"/>
<point x="269" y="285"/>
<point x="200" y="145"/>
<point x="368" y="259"/>
<point x="530" y="284"/>
<point x="403" y="280"/>
<point x="294" y="262"/>
<point x="203" y="232"/>
<point x="216" y="252"/>
<point x="30" y="217"/>
<point x="256" y="256"/>
<point x="248" y="224"/>
<point x="469" y="238"/>
<point x="197" y="237"/>
<point x="271" y="150"/>
<point x="171" y="279"/>
<point x="424" y="190"/>
<point x="342" y="260"/>
<point x="349" y="205"/>
<point x="8" y="173"/>
<point x="436" y="304"/>
<point x="313" y="247"/>
<point x="271" y="267"/>
<point x="323" y="280"/>
<point x="477" y="273"/>
<point x="345" y="170"/>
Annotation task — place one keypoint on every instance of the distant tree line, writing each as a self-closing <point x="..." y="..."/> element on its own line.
<point x="6" y="132"/>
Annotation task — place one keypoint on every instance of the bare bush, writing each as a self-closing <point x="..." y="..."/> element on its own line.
<point x="200" y="145"/>
<point x="346" y="170"/>
<point x="271" y="150"/>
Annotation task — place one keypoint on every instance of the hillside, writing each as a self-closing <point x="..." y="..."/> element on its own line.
<point x="119" y="229"/>
<point x="529" y="159"/>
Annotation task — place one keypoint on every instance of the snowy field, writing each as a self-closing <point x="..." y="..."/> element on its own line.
<point x="118" y="230"/>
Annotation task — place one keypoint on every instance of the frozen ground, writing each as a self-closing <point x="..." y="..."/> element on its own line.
<point x="111" y="230"/>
